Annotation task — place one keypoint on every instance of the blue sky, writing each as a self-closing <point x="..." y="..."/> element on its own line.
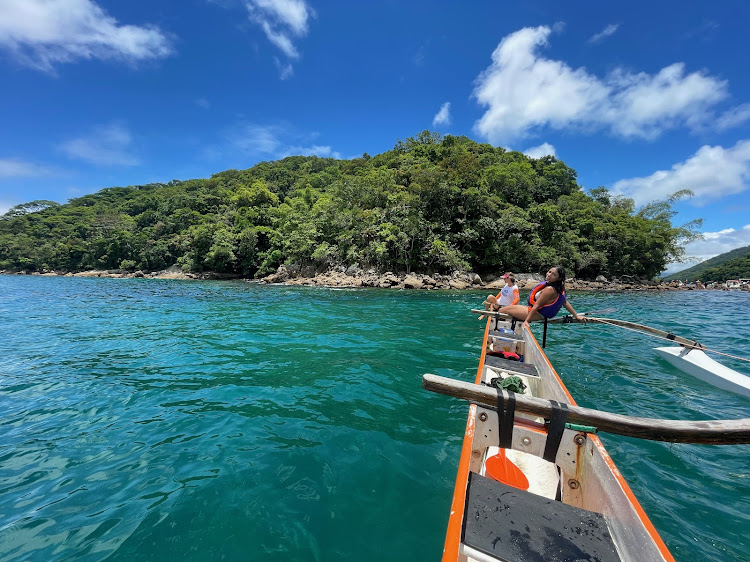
<point x="644" y="98"/>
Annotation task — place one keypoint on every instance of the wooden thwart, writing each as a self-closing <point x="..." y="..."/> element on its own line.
<point x="707" y="432"/>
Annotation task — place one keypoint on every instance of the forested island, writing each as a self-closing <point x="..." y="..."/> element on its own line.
<point x="432" y="204"/>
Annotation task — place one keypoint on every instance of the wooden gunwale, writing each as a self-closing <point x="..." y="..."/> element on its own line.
<point x="653" y="533"/>
<point x="455" y="522"/>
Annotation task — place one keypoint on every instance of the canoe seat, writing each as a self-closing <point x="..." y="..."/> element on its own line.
<point x="517" y="526"/>
<point x="513" y="367"/>
<point x="505" y="335"/>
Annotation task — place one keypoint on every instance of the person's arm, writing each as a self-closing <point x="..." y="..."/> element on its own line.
<point x="516" y="296"/>
<point x="569" y="308"/>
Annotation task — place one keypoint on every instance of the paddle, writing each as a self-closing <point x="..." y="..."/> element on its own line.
<point x="708" y="432"/>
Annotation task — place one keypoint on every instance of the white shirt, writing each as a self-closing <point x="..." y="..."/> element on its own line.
<point x="508" y="295"/>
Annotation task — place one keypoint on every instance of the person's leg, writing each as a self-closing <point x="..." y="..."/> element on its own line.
<point x="490" y="302"/>
<point x="520" y="312"/>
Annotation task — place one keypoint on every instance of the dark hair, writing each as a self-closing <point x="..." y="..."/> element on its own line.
<point x="559" y="285"/>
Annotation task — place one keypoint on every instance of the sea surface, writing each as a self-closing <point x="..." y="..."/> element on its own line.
<point x="191" y="420"/>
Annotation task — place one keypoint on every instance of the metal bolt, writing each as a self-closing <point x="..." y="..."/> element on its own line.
<point x="579" y="439"/>
<point x="573" y="484"/>
<point x="526" y="441"/>
<point x="483" y="416"/>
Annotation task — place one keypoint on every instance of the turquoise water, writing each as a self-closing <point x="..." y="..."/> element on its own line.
<point x="144" y="419"/>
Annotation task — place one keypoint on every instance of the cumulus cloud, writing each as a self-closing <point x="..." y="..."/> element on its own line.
<point x="545" y="149"/>
<point x="606" y="32"/>
<point x="713" y="244"/>
<point x="282" y="21"/>
<point x="711" y="173"/>
<point x="42" y="33"/>
<point x="524" y="92"/>
<point x="443" y="117"/>
<point x="105" y="145"/>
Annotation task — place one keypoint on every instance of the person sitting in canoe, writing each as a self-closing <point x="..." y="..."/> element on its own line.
<point x="507" y="296"/>
<point x="545" y="300"/>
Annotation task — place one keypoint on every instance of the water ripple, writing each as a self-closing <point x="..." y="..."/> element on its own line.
<point x="149" y="419"/>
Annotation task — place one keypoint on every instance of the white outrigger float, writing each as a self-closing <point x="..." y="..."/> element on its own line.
<point x="695" y="362"/>
<point x="690" y="357"/>
<point x="534" y="481"/>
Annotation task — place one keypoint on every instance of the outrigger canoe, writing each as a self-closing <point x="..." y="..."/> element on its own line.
<point x="535" y="484"/>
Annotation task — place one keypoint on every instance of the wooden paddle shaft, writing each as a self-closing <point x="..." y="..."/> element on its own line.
<point x="708" y="432"/>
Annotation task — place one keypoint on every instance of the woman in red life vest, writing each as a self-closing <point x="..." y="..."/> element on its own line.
<point x="545" y="300"/>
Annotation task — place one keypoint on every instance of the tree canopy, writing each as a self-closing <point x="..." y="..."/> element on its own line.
<point x="432" y="204"/>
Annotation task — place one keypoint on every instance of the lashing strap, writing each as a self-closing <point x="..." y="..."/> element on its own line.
<point x="506" y="418"/>
<point x="555" y="430"/>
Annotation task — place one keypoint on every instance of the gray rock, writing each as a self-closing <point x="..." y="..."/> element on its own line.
<point x="413" y="282"/>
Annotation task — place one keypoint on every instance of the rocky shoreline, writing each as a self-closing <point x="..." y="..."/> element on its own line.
<point x="354" y="277"/>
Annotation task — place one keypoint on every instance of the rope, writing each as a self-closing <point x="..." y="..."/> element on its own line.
<point x="697" y="346"/>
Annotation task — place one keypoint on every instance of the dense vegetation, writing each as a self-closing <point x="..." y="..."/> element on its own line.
<point x="431" y="204"/>
<point x="734" y="264"/>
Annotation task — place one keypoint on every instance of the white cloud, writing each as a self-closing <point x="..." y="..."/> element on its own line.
<point x="257" y="139"/>
<point x="285" y="70"/>
<point x="443" y="117"/>
<point x="734" y="117"/>
<point x="282" y="41"/>
<point x="282" y="21"/>
<point x="42" y="33"/>
<point x="106" y="145"/>
<point x="17" y="168"/>
<point x="290" y="13"/>
<point x="606" y="32"/>
<point x="277" y="141"/>
<point x="315" y="150"/>
<point x="545" y="149"/>
<point x="524" y="92"/>
<point x="713" y="244"/>
<point x="711" y="173"/>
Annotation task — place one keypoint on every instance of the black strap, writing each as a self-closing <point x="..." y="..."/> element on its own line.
<point x="555" y="430"/>
<point x="505" y="418"/>
<point x="544" y="336"/>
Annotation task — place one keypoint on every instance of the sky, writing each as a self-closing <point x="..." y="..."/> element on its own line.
<point x="643" y="98"/>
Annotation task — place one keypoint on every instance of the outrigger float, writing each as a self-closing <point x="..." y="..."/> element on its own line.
<point x="689" y="356"/>
<point x="534" y="481"/>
